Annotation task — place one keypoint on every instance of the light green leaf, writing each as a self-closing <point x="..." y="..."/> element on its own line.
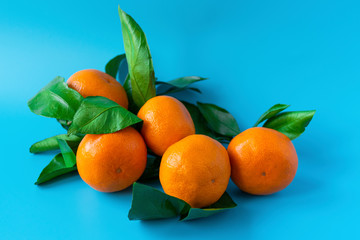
<point x="292" y="124"/>
<point x="51" y="143"/>
<point x="56" y="167"/>
<point x="56" y="100"/>
<point x="271" y="112"/>
<point x="67" y="153"/>
<point x="141" y="70"/>
<point x="64" y="123"/>
<point x="97" y="115"/>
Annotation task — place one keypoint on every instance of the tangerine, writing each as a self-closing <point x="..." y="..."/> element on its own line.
<point x="111" y="162"/>
<point x="196" y="169"/>
<point x="165" y="121"/>
<point x="91" y="82"/>
<point x="263" y="161"/>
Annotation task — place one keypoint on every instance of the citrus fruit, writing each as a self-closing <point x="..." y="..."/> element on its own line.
<point x="165" y="121"/>
<point x="91" y="82"/>
<point x="196" y="169"/>
<point x="263" y="161"/>
<point x="111" y="162"/>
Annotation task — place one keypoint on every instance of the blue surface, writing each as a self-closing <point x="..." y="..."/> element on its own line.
<point x="256" y="53"/>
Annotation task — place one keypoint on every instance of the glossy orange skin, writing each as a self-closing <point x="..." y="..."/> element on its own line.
<point x="263" y="161"/>
<point x="111" y="162"/>
<point x="196" y="169"/>
<point x="165" y="121"/>
<point x="91" y="82"/>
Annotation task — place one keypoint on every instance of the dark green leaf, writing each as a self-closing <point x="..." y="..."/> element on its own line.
<point x="56" y="100"/>
<point x="160" y="205"/>
<point x="127" y="86"/>
<point x="55" y="168"/>
<point x="150" y="203"/>
<point x="201" y="125"/>
<point x="180" y="84"/>
<point x="141" y="70"/>
<point x="112" y="67"/>
<point x="224" y="203"/>
<point x="194" y="89"/>
<point x="223" y="139"/>
<point x="292" y="124"/>
<point x="152" y="168"/>
<point x="98" y="115"/>
<point x="67" y="153"/>
<point x="220" y="120"/>
<point x="52" y="144"/>
<point x="271" y="112"/>
<point x="175" y="90"/>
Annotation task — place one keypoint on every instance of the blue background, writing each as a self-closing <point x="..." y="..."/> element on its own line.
<point x="256" y="53"/>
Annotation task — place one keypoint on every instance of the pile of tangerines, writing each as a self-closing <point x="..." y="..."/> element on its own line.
<point x="194" y="167"/>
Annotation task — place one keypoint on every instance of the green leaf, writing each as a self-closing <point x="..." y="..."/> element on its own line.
<point x="157" y="205"/>
<point x="220" y="120"/>
<point x="141" y="70"/>
<point x="56" y="167"/>
<point x="224" y="203"/>
<point x="160" y="205"/>
<point x="51" y="143"/>
<point x="64" y="123"/>
<point x="223" y="139"/>
<point x="97" y="115"/>
<point x="56" y="100"/>
<point x="67" y="153"/>
<point x="201" y="125"/>
<point x="61" y="164"/>
<point x="127" y="86"/>
<point x="292" y="124"/>
<point x="152" y="168"/>
<point x="112" y="67"/>
<point x="194" y="89"/>
<point x="271" y="112"/>
<point x="175" y="90"/>
<point x="180" y="84"/>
